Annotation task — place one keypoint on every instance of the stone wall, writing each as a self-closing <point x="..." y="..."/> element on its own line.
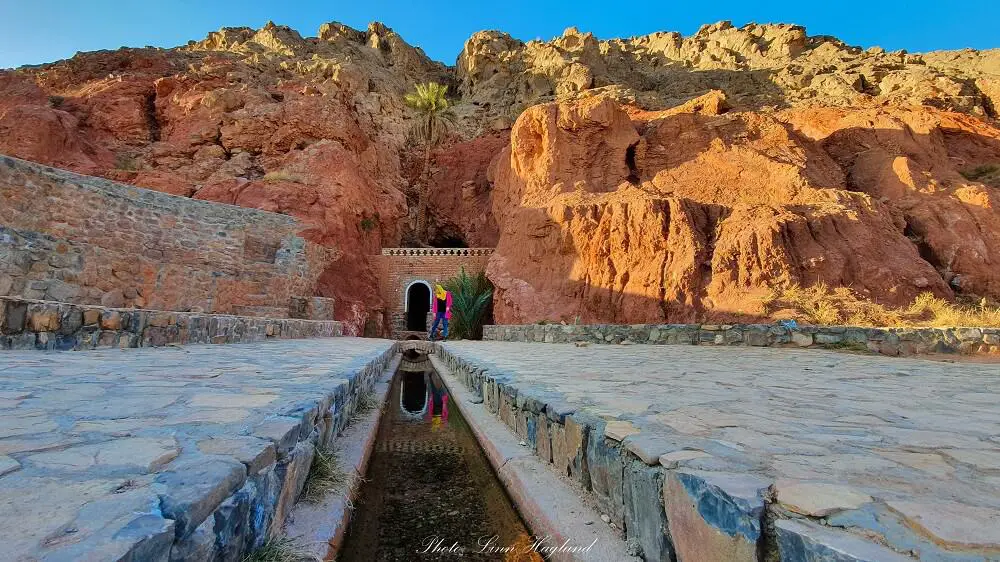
<point x="31" y="324"/>
<point x="887" y="341"/>
<point x="79" y="239"/>
<point x="663" y="509"/>
<point x="397" y="268"/>
<point x="311" y="308"/>
<point x="215" y="527"/>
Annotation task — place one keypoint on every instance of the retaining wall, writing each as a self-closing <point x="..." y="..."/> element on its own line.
<point x="664" y="511"/>
<point x="31" y="324"/>
<point x="241" y="514"/>
<point x="887" y="341"/>
<point x="72" y="238"/>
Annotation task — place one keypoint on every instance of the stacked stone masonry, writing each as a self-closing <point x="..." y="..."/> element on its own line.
<point x="311" y="308"/>
<point x="887" y="341"/>
<point x="95" y="466"/>
<point x="29" y="324"/>
<point x="399" y="268"/>
<point x="79" y="239"/>
<point x="679" y="458"/>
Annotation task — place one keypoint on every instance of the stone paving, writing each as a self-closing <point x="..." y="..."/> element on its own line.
<point x="904" y="453"/>
<point x="112" y="454"/>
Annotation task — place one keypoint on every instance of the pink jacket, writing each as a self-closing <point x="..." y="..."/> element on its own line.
<point x="434" y="305"/>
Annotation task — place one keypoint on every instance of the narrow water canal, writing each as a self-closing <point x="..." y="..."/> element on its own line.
<point x="430" y="493"/>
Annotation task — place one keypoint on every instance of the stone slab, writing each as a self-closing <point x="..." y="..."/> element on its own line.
<point x="800" y="541"/>
<point x="126" y="454"/>
<point x="847" y="427"/>
<point x="817" y="499"/>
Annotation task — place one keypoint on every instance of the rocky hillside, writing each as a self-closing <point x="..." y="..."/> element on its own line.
<point x="644" y="179"/>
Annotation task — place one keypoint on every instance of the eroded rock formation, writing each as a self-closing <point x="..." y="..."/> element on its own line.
<point x="645" y="179"/>
<point x="677" y="215"/>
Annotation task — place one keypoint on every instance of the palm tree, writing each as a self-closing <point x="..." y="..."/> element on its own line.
<point x="434" y="118"/>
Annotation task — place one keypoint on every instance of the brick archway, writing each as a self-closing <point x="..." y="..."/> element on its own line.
<point x="417" y="305"/>
<point x="401" y="269"/>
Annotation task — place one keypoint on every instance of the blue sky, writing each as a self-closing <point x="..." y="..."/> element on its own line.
<point x="36" y="31"/>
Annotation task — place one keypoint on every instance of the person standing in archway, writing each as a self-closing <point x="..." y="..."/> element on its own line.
<point x="441" y="307"/>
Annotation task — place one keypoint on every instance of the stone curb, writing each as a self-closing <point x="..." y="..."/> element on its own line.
<point x="48" y="325"/>
<point x="319" y="528"/>
<point x="887" y="341"/>
<point x="550" y="506"/>
<point x="229" y="526"/>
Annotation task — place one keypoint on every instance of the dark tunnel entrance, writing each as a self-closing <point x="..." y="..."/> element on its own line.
<point x="418" y="299"/>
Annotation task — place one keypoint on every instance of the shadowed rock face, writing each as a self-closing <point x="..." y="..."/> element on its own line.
<point x="832" y="164"/>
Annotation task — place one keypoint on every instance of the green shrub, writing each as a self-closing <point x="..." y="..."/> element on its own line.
<point x="56" y="101"/>
<point x="368" y="224"/>
<point x="980" y="172"/>
<point x="471" y="303"/>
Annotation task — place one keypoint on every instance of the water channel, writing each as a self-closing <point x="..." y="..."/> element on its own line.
<point x="430" y="492"/>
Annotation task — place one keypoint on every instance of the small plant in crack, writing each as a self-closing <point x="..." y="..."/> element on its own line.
<point x="369" y="223"/>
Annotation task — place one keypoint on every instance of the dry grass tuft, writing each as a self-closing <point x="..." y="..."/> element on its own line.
<point x="367" y="402"/>
<point x="822" y="305"/>
<point x="281" y="175"/>
<point x="326" y="475"/>
<point x="281" y="549"/>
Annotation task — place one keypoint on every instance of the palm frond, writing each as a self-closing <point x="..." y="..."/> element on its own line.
<point x="434" y="115"/>
<point x="472" y="298"/>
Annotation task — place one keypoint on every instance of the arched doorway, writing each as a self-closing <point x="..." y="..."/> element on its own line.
<point x="418" y="304"/>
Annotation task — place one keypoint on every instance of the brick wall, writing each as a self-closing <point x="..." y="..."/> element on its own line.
<point x="397" y="268"/>
<point x="78" y="239"/>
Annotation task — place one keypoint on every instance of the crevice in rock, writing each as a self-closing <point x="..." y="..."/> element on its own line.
<point x="923" y="248"/>
<point x="254" y="171"/>
<point x="633" y="171"/>
<point x="988" y="108"/>
<point x="152" y="123"/>
<point x="447" y="236"/>
<point x="767" y="545"/>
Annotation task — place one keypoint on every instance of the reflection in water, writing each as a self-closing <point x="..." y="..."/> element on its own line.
<point x="413" y="395"/>
<point x="430" y="492"/>
<point x="437" y="404"/>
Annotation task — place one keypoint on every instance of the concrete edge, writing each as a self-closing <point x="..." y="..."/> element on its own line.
<point x="551" y="506"/>
<point x="319" y="528"/>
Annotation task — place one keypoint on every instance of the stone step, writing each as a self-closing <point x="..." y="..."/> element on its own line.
<point x="261" y="311"/>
